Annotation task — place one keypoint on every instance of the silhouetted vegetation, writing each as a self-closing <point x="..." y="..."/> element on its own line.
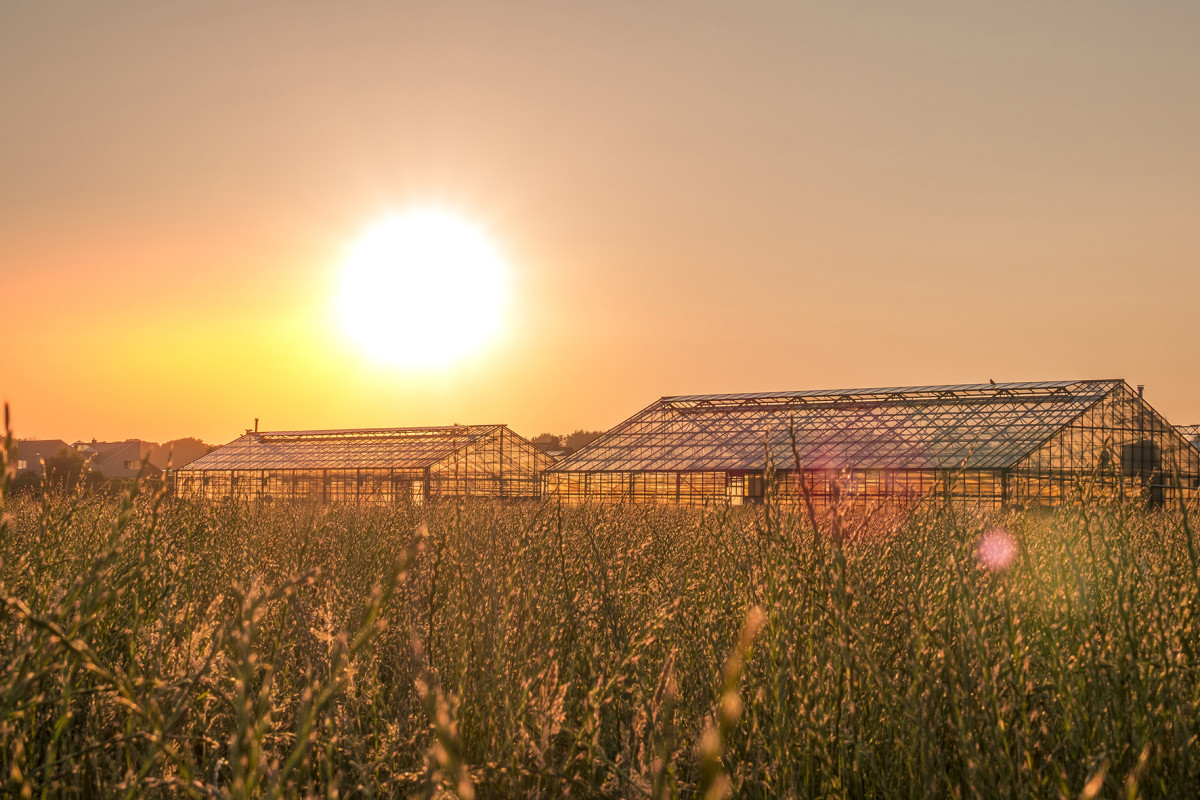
<point x="578" y="439"/>
<point x="26" y="483"/>
<point x="567" y="443"/>
<point x="178" y="452"/>
<point x="548" y="441"/>
<point x="67" y="470"/>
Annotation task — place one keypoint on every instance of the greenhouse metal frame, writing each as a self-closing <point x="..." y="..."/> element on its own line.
<point x="1191" y="433"/>
<point x="990" y="444"/>
<point x="368" y="466"/>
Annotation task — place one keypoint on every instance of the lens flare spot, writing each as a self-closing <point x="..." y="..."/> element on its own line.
<point x="997" y="550"/>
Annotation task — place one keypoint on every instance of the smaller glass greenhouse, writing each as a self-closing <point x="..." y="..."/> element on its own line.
<point x="362" y="467"/>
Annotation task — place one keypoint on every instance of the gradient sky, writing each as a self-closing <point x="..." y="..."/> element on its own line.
<point x="693" y="197"/>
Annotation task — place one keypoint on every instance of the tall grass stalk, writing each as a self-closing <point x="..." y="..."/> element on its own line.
<point x="155" y="648"/>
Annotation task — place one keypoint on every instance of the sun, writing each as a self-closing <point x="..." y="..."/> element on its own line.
<point x="422" y="288"/>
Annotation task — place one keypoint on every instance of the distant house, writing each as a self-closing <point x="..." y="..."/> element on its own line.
<point x="117" y="459"/>
<point x="31" y="453"/>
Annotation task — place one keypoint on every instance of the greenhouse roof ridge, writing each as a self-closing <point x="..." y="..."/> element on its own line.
<point x="1005" y="390"/>
<point x="370" y="433"/>
<point x="349" y="448"/>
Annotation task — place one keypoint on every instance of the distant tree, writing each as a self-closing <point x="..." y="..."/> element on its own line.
<point x="567" y="443"/>
<point x="548" y="441"/>
<point x="67" y="469"/>
<point x="178" y="452"/>
<point x="579" y="439"/>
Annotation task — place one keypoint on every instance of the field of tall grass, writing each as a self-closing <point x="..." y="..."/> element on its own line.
<point x="154" y="648"/>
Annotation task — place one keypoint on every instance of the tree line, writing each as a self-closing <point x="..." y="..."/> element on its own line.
<point x="567" y="443"/>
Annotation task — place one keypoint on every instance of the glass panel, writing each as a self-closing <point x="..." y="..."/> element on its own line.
<point x="369" y="467"/>
<point x="981" y="444"/>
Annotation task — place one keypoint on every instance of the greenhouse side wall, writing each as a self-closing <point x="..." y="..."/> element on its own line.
<point x="854" y="487"/>
<point x="348" y="486"/>
<point x="502" y="465"/>
<point x="1119" y="447"/>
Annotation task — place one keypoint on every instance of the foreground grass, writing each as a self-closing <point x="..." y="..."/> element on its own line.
<point x="149" y="647"/>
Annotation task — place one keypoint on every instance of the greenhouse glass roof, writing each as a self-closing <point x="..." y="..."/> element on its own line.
<point x="395" y="448"/>
<point x="1191" y="433"/>
<point x="976" y="426"/>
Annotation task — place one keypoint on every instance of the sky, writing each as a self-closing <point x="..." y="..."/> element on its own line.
<point x="689" y="197"/>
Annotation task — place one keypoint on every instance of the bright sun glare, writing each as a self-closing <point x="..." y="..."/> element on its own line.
<point x="422" y="288"/>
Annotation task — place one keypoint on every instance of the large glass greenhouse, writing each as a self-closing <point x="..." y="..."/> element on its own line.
<point x="379" y="466"/>
<point x="990" y="444"/>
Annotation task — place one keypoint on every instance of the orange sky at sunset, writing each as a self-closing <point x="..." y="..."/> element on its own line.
<point x="689" y="197"/>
